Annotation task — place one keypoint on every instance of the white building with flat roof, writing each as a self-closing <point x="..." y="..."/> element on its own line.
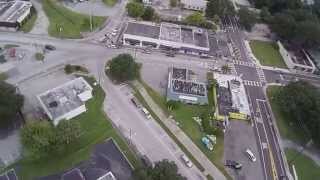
<point x="297" y="60"/>
<point x="67" y="100"/>
<point x="197" y="5"/>
<point x="167" y="36"/>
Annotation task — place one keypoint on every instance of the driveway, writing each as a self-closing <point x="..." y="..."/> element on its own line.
<point x="42" y="23"/>
<point x="238" y="137"/>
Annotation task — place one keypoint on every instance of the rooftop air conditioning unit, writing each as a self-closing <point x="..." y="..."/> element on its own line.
<point x="199" y="31"/>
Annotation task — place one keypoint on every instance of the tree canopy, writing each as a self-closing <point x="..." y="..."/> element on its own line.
<point x="292" y="20"/>
<point x="162" y="170"/>
<point x="195" y="18"/>
<point x="135" y="9"/>
<point x="123" y="68"/>
<point x="148" y="14"/>
<point x="300" y="104"/>
<point x="10" y="103"/>
<point x="220" y="8"/>
<point x="41" y="138"/>
<point x="247" y="18"/>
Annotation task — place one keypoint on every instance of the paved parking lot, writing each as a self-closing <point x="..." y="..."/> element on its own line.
<point x="31" y="88"/>
<point x="96" y="8"/>
<point x="105" y="157"/>
<point x="238" y="137"/>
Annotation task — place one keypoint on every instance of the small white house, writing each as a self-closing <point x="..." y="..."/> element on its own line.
<point x="66" y="101"/>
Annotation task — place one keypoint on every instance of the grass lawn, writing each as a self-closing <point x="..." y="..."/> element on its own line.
<point x="306" y="168"/>
<point x="95" y="128"/>
<point x="267" y="53"/>
<point x="110" y="2"/>
<point x="28" y="25"/>
<point x="71" y="23"/>
<point x="184" y="115"/>
<point x="287" y="130"/>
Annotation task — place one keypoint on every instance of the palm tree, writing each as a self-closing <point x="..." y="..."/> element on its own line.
<point x="225" y="69"/>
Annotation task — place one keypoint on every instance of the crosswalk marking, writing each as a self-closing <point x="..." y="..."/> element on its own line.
<point x="244" y="63"/>
<point x="261" y="74"/>
<point x="252" y="83"/>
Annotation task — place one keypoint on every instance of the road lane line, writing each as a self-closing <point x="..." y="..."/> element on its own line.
<point x="273" y="169"/>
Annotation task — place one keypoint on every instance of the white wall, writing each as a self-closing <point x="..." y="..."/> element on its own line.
<point x="70" y="114"/>
<point x="85" y="96"/>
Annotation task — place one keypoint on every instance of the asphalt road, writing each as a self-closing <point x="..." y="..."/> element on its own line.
<point x="264" y="126"/>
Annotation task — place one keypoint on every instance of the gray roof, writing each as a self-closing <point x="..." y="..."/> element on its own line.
<point x="11" y="11"/>
<point x="145" y="30"/>
<point x="64" y="98"/>
<point x="181" y="85"/>
<point x="170" y="32"/>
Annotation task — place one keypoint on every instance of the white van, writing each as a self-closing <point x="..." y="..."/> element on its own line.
<point x="250" y="155"/>
<point x="146" y="113"/>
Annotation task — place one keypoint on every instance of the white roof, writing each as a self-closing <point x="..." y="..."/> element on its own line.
<point x="197" y="3"/>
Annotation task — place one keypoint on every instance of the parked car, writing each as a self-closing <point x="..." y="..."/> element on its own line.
<point x="186" y="161"/>
<point x="233" y="164"/>
<point x="250" y="155"/>
<point x="207" y="143"/>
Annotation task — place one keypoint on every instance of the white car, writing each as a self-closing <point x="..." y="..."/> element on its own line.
<point x="186" y="161"/>
<point x="146" y="113"/>
<point x="250" y="155"/>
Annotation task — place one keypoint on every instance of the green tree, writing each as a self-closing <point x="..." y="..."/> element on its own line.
<point x="247" y="18"/>
<point x="10" y="103"/>
<point x="225" y="69"/>
<point x="123" y="68"/>
<point x="173" y="3"/>
<point x="135" y="9"/>
<point x="38" y="138"/>
<point x="195" y="19"/>
<point x="162" y="170"/>
<point x="67" y="132"/>
<point x="265" y="15"/>
<point x="173" y="105"/>
<point x="220" y="8"/>
<point x="148" y="14"/>
<point x="299" y="102"/>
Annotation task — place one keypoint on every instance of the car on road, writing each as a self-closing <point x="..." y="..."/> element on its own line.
<point x="186" y="161"/>
<point x="135" y="102"/>
<point x="49" y="47"/>
<point x="250" y="155"/>
<point x="146" y="113"/>
<point x="146" y="161"/>
<point x="233" y="164"/>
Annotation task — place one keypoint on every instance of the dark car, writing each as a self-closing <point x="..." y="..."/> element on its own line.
<point x="233" y="164"/>
<point x="49" y="47"/>
<point x="170" y="54"/>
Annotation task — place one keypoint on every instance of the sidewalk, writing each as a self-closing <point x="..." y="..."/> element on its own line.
<point x="309" y="152"/>
<point x="182" y="137"/>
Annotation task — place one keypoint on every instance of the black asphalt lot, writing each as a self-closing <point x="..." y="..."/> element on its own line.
<point x="105" y="157"/>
